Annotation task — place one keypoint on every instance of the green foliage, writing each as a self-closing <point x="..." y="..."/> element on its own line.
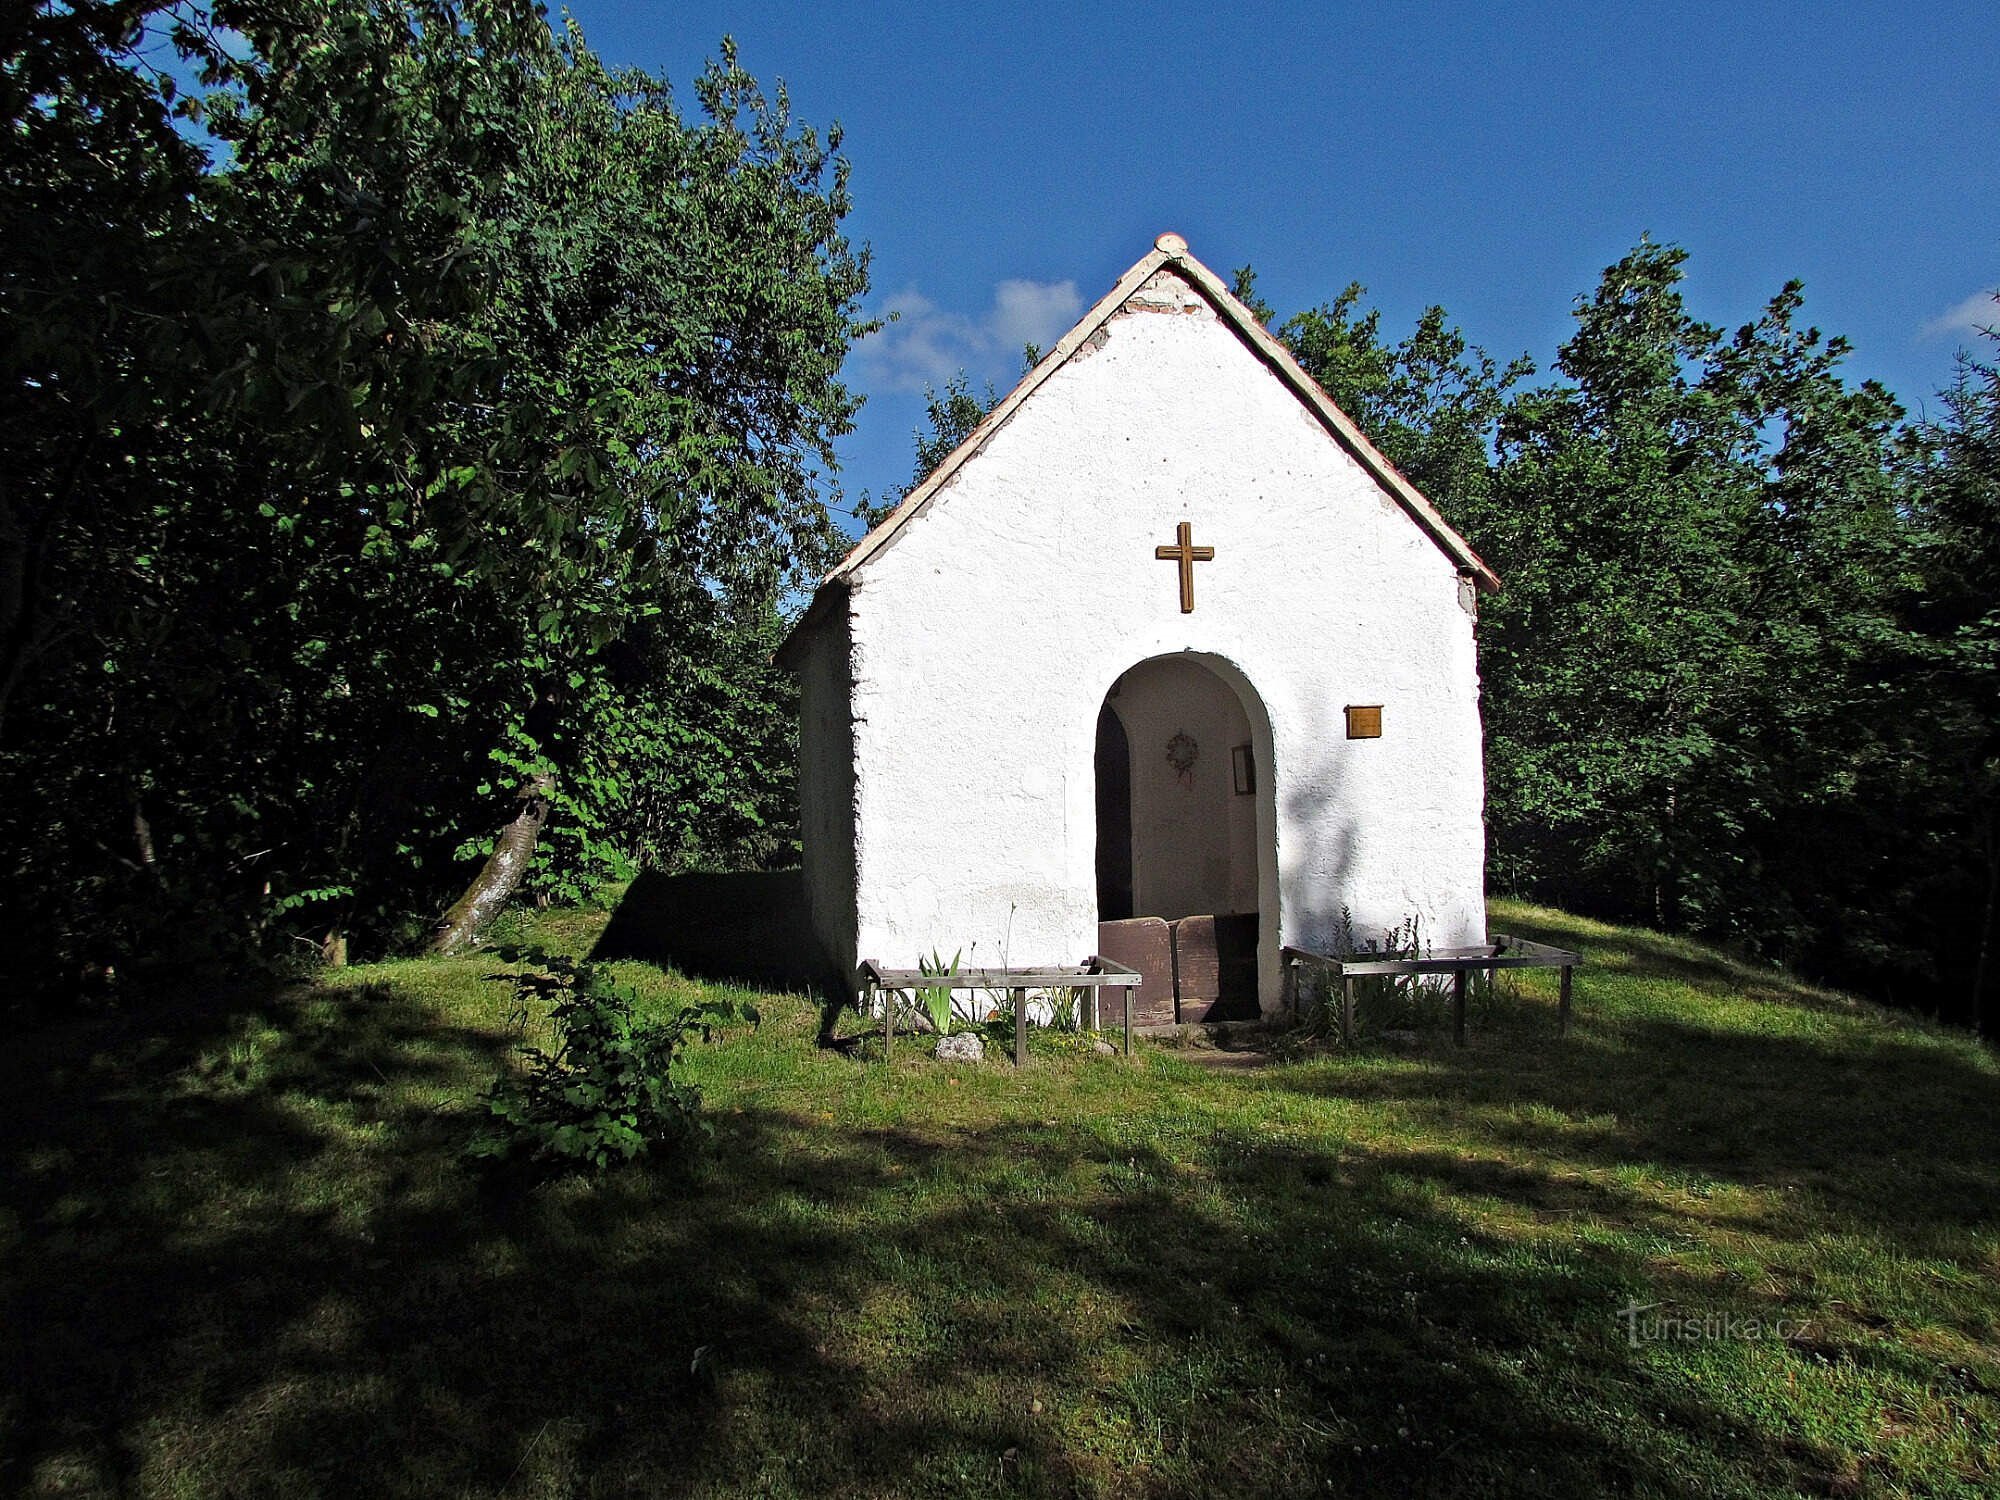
<point x="1702" y="553"/>
<point x="950" y="416"/>
<point x="1243" y="286"/>
<point x="1382" y="1001"/>
<point x="1950" y="802"/>
<point x="1725" y="685"/>
<point x="607" y="1094"/>
<point x="416" y="409"/>
<point x="936" y="998"/>
<point x="1430" y="403"/>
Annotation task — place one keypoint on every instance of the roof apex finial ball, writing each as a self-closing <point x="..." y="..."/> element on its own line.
<point x="1170" y="244"/>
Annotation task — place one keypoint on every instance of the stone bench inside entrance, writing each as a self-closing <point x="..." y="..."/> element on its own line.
<point x="1196" y="969"/>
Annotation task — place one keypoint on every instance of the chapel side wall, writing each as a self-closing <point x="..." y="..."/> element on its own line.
<point x="827" y="793"/>
<point x="988" y="634"/>
<point x="961" y="795"/>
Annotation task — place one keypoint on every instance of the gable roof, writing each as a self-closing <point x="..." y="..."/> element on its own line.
<point x="1170" y="252"/>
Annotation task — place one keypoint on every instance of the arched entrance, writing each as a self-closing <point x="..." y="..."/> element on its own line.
<point x="1181" y="866"/>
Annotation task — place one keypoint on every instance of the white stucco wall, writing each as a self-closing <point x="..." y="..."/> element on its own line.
<point x="985" y="636"/>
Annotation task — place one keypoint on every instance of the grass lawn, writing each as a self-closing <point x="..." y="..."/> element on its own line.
<point x="239" y="1256"/>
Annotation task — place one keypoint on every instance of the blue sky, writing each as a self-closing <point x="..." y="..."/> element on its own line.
<point x="1010" y="162"/>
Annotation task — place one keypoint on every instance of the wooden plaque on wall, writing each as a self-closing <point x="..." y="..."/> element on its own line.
<point x="1364" y="721"/>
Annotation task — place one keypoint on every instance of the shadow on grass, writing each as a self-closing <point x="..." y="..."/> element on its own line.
<point x="742" y="927"/>
<point x="1892" y="1129"/>
<point x="1702" y="967"/>
<point x="244" y="1258"/>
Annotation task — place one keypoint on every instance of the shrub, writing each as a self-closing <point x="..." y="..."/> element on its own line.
<point x="607" y="1093"/>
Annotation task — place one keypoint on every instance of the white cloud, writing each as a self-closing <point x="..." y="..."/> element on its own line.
<point x="928" y="344"/>
<point x="1033" y="312"/>
<point x="1978" y="311"/>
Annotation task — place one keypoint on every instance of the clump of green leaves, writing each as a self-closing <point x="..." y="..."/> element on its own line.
<point x="607" y="1093"/>
<point x="1383" y="1002"/>
<point x="936" y="999"/>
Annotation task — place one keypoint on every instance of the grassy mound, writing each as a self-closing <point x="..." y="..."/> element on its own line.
<point x="1732" y="1236"/>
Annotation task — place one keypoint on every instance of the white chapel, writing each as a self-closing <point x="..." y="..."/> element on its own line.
<point x="1164" y="662"/>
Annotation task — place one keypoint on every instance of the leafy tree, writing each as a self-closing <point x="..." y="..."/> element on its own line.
<point x="1243" y="286"/>
<point x="469" y="386"/>
<point x="1952" y="811"/>
<point x="1704" y="704"/>
<point x="1697" y="602"/>
<point x="93" y="177"/>
<point x="1431" y="403"/>
<point x="950" y="416"/>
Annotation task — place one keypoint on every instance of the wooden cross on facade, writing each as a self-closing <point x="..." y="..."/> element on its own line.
<point x="1187" y="555"/>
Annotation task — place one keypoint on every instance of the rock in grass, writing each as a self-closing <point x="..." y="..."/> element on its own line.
<point x="962" y="1048"/>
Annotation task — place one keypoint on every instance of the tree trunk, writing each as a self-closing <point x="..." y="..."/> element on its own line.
<point x="512" y="853"/>
<point x="142" y="838"/>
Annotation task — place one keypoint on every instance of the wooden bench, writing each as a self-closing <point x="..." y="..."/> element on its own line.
<point x="1091" y="975"/>
<point x="1498" y="952"/>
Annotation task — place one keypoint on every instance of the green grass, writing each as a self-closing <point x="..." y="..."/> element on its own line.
<point x="239" y="1256"/>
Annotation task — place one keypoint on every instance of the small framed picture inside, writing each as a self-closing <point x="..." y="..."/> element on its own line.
<point x="1245" y="767"/>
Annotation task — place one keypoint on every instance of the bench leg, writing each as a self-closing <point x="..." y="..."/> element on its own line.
<point x="1562" y="1005"/>
<point x="1020" y="1026"/>
<point x="1458" y="1007"/>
